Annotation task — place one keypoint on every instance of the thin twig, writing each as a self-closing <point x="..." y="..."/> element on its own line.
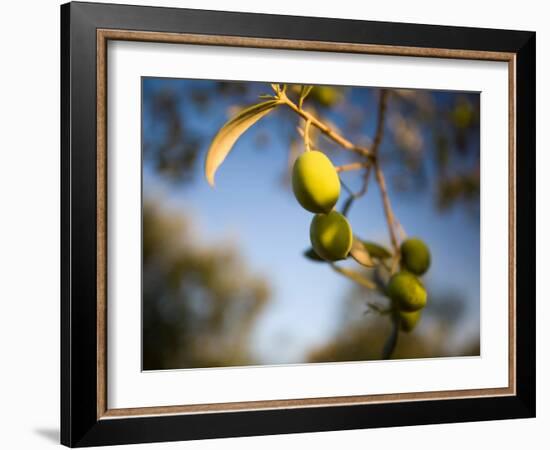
<point x="307" y="140"/>
<point x="346" y="188"/>
<point x="355" y="195"/>
<point x="365" y="185"/>
<point x="382" y="106"/>
<point x="352" y="166"/>
<point x="391" y="343"/>
<point x="400" y="229"/>
<point x="387" y="207"/>
<point x="374" y="150"/>
<point x="325" y="129"/>
<point x="388" y="211"/>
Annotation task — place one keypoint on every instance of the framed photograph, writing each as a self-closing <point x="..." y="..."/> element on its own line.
<point x="276" y="224"/>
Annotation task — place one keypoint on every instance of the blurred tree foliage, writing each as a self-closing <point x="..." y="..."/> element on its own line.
<point x="450" y="131"/>
<point x="432" y="141"/>
<point x="199" y="302"/>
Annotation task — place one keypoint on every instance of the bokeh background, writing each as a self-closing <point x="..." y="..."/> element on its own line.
<point x="225" y="281"/>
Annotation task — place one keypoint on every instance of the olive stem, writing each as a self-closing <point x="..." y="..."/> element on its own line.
<point x="381" y="180"/>
<point x="391" y="343"/>
<point x="352" y="166"/>
<point x="325" y="129"/>
<point x="307" y="140"/>
<point x="387" y="207"/>
<point x="374" y="156"/>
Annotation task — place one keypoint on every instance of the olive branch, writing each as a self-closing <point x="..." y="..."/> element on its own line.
<point x="406" y="293"/>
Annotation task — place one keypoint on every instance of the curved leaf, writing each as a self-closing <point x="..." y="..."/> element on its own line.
<point x="228" y="134"/>
<point x="376" y="251"/>
<point x="304" y="92"/>
<point x="312" y="255"/>
<point x="361" y="254"/>
<point x="355" y="276"/>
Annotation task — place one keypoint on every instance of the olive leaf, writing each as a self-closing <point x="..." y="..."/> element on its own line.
<point x="312" y="254"/>
<point x="228" y="134"/>
<point x="360" y="253"/>
<point x="355" y="276"/>
<point x="376" y="251"/>
<point x="304" y="92"/>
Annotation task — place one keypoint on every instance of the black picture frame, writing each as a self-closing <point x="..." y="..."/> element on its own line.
<point x="80" y="425"/>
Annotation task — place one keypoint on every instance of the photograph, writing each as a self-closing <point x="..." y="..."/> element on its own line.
<point x="287" y="223"/>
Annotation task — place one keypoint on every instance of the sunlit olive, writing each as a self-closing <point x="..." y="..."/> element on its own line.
<point x="408" y="320"/>
<point x="331" y="236"/>
<point x="415" y="256"/>
<point x="407" y="292"/>
<point x="315" y="182"/>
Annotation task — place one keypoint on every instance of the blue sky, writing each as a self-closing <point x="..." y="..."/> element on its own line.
<point x="250" y="207"/>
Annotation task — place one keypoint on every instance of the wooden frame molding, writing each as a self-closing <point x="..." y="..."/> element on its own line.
<point x="103" y="36"/>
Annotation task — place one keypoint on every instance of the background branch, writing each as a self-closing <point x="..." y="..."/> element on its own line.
<point x="388" y="211"/>
<point x="391" y="342"/>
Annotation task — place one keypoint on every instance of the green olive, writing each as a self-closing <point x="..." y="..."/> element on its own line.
<point x="315" y="182"/>
<point x="408" y="320"/>
<point x="331" y="236"/>
<point x="407" y="292"/>
<point x="415" y="256"/>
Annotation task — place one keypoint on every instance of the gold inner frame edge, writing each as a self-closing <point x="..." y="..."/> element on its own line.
<point x="103" y="36"/>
